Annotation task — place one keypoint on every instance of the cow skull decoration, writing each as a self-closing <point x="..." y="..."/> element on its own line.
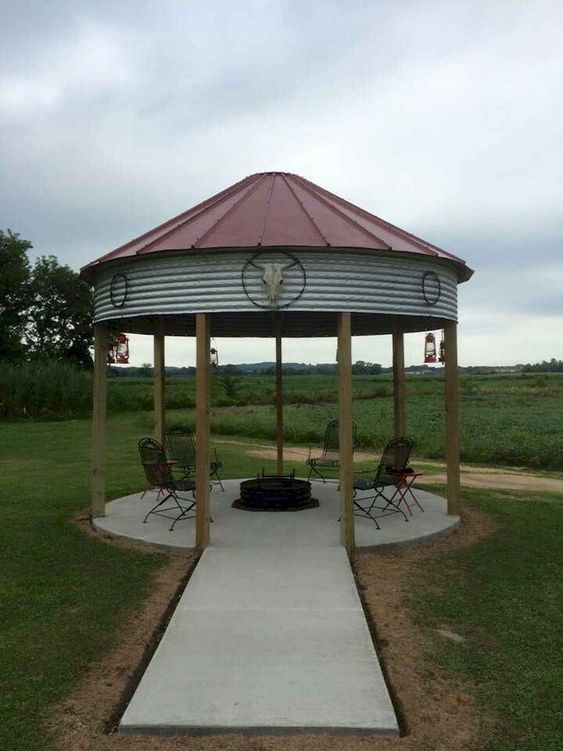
<point x="272" y="279"/>
<point x="272" y="276"/>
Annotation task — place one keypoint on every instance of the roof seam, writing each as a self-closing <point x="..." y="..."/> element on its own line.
<point x="346" y="218"/>
<point x="200" y="207"/>
<point x="213" y="202"/>
<point x="222" y="218"/>
<point x="268" y="204"/>
<point x="307" y="214"/>
<point x="388" y="225"/>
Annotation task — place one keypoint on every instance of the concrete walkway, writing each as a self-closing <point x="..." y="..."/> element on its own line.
<point x="269" y="636"/>
<point x="263" y="641"/>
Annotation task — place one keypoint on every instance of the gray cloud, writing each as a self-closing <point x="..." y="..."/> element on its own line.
<point x="442" y="117"/>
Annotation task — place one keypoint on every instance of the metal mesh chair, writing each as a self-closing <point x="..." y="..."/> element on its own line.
<point x="182" y="450"/>
<point x="329" y="459"/>
<point x="159" y="475"/>
<point x="385" y="482"/>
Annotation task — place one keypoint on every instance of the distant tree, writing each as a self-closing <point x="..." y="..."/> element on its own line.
<point x="230" y="381"/>
<point x="364" y="368"/>
<point x="14" y="293"/>
<point x="59" y="323"/>
<point x="545" y="366"/>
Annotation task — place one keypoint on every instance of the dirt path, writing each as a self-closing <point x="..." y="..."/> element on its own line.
<point x="473" y="477"/>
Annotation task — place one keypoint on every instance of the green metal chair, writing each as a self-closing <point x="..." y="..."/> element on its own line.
<point x="385" y="482"/>
<point x="182" y="451"/>
<point x="328" y="461"/>
<point x="159" y="475"/>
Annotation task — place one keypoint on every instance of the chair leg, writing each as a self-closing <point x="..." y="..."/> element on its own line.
<point x="317" y="472"/>
<point x="154" y="508"/>
<point x="366" y="514"/>
<point x="388" y="502"/>
<point x="216" y="474"/>
<point x="148" y="489"/>
<point x="185" y="511"/>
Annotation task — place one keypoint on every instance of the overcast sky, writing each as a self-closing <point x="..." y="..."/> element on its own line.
<point x="444" y="118"/>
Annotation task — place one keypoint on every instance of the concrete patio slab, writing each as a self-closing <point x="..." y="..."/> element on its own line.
<point x="308" y="528"/>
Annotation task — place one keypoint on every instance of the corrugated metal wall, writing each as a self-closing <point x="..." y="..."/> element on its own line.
<point x="336" y="280"/>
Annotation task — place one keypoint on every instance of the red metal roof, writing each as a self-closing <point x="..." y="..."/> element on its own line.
<point x="273" y="209"/>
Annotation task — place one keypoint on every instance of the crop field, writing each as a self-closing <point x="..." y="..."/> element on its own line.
<point x="506" y="419"/>
<point x="514" y="420"/>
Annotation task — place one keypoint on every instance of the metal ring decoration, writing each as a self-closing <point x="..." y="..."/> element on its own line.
<point x="294" y="263"/>
<point x="118" y="290"/>
<point x="433" y="295"/>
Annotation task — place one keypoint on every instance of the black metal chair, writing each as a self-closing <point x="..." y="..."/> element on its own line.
<point x="385" y="482"/>
<point x="182" y="451"/>
<point x="159" y="475"/>
<point x="329" y="459"/>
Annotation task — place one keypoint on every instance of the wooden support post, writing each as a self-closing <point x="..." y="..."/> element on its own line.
<point x="279" y="398"/>
<point x="347" y="536"/>
<point x="159" y="382"/>
<point x="202" y="430"/>
<point x="399" y="383"/>
<point x="99" y="420"/>
<point x="452" y="417"/>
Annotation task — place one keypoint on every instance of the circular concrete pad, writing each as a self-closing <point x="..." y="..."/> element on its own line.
<point x="311" y="527"/>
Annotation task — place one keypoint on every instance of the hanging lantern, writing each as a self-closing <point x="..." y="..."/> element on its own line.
<point x="121" y="349"/>
<point x="429" y="348"/>
<point x="213" y="357"/>
<point x="442" y="355"/>
<point x="118" y="350"/>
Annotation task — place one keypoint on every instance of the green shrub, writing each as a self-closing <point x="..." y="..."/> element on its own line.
<point x="44" y="389"/>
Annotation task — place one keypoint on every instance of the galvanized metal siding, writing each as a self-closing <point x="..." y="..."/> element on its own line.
<point x="336" y="281"/>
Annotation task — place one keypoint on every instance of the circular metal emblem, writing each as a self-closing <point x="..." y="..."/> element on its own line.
<point x="431" y="287"/>
<point x="273" y="279"/>
<point x="118" y="290"/>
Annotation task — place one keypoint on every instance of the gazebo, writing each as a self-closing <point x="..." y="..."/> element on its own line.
<point x="275" y="255"/>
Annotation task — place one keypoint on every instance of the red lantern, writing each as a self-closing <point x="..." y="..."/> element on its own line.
<point x="429" y="348"/>
<point x="121" y="349"/>
<point x="118" y="350"/>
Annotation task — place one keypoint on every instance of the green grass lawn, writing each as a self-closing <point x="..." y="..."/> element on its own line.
<point x="504" y="595"/>
<point x="64" y="595"/>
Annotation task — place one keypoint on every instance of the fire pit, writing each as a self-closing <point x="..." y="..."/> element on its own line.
<point x="275" y="493"/>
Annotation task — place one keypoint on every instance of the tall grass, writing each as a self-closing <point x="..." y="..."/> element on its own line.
<point x="44" y="389"/>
